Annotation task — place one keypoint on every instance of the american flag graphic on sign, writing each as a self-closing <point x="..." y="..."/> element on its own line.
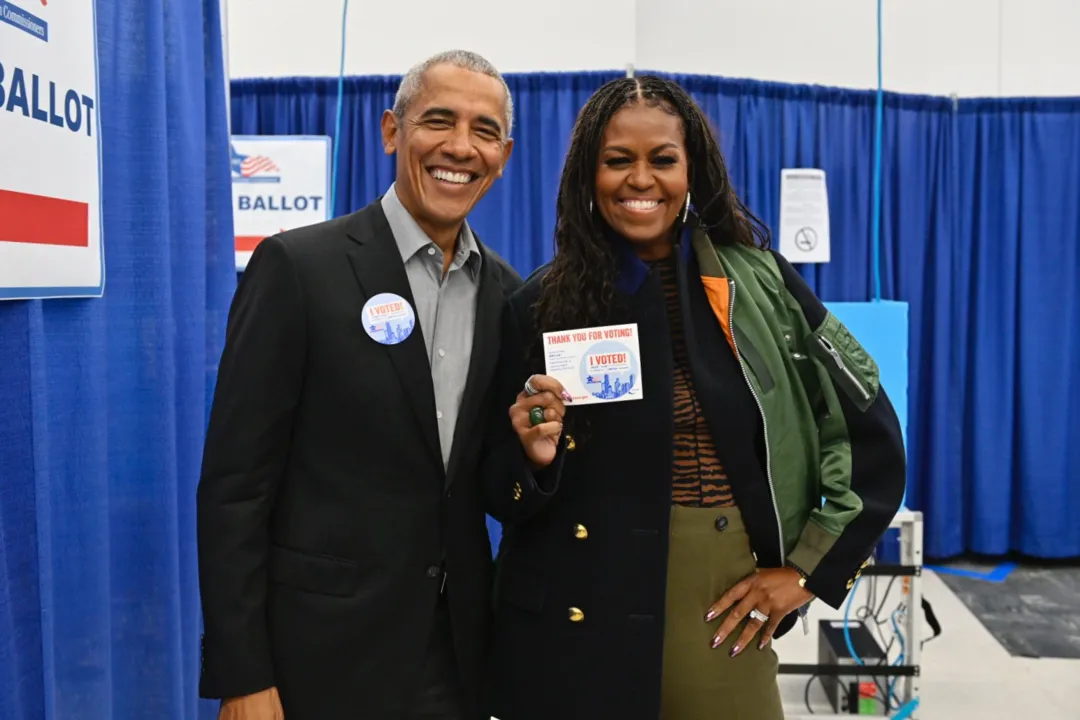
<point x="255" y="164"/>
<point x="250" y="165"/>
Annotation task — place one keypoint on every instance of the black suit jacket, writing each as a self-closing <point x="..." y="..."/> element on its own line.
<point x="325" y="516"/>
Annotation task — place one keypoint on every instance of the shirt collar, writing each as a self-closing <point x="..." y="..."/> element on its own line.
<point x="633" y="270"/>
<point x="411" y="238"/>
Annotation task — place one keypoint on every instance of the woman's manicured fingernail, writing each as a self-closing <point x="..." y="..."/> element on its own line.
<point x="734" y="651"/>
<point x="711" y="615"/>
<point x="567" y="396"/>
<point x="716" y="642"/>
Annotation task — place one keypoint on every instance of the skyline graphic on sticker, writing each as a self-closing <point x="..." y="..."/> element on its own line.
<point x="388" y="318"/>
<point x="609" y="370"/>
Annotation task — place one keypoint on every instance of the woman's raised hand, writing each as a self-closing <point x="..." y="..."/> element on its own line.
<point x="537" y="418"/>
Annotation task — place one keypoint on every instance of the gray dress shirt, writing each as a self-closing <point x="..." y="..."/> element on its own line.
<point x="445" y="308"/>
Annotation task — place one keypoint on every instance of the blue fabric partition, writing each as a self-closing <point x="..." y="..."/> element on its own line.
<point x="518" y="215"/>
<point x="1015" y="430"/>
<point x="103" y="403"/>
<point x="882" y="328"/>
<point x="979" y="235"/>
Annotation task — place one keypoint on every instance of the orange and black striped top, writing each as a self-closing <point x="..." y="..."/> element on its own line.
<point x="697" y="476"/>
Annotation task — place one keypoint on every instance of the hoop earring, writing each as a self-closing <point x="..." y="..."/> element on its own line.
<point x="686" y="212"/>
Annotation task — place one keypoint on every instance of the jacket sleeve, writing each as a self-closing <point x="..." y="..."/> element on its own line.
<point x="513" y="491"/>
<point x="863" y="464"/>
<point x="247" y="444"/>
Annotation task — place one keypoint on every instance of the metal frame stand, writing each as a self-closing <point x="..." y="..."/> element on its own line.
<point x="910" y="525"/>
<point x="911" y="555"/>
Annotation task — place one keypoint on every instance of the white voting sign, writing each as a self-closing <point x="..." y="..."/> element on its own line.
<point x="279" y="182"/>
<point x="50" y="151"/>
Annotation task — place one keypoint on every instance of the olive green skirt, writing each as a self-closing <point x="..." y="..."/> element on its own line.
<point x="709" y="553"/>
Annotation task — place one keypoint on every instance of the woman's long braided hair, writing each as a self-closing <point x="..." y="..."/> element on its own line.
<point x="579" y="289"/>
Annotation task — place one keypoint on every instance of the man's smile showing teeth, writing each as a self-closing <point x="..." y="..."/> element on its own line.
<point x="447" y="176"/>
<point x="640" y="205"/>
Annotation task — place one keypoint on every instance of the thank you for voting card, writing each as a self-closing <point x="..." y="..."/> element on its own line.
<point x="596" y="365"/>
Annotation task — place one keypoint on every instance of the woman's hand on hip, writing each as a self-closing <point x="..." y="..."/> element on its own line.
<point x="773" y="592"/>
<point x="537" y="418"/>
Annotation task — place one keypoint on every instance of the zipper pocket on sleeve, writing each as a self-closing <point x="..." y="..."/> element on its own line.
<point x="849" y="365"/>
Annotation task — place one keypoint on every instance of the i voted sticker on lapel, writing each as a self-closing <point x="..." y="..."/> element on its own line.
<point x="388" y="318"/>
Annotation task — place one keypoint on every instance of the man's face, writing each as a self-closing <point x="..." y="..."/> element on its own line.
<point x="450" y="145"/>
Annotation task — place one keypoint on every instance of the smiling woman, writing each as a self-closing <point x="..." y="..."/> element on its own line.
<point x="642" y="180"/>
<point x="640" y="155"/>
<point x="658" y="545"/>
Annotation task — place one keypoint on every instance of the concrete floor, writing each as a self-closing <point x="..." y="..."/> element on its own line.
<point x="966" y="673"/>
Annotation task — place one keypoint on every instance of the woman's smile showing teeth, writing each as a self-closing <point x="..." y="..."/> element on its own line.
<point x="451" y="176"/>
<point x="639" y="205"/>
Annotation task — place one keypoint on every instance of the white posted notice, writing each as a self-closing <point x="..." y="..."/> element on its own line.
<point x="804" y="216"/>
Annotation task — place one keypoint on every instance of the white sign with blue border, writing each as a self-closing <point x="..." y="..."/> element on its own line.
<point x="279" y="182"/>
<point x="51" y="241"/>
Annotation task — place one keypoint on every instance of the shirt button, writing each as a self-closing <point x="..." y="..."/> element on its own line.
<point x="433" y="571"/>
<point x="438" y="414"/>
<point x="442" y="353"/>
<point x="431" y="251"/>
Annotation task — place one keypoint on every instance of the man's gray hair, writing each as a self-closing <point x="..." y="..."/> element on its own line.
<point x="464" y="59"/>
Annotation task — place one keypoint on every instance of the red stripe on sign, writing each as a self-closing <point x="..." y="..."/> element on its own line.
<point x="247" y="243"/>
<point x="41" y="220"/>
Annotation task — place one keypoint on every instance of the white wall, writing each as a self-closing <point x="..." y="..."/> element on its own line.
<point x="270" y="38"/>
<point x="941" y="47"/>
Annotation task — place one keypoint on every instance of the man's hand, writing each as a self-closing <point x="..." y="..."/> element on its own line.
<point x="540" y="441"/>
<point x="265" y="705"/>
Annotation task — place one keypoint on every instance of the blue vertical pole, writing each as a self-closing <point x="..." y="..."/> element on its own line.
<point x="337" y="121"/>
<point x="875" y="240"/>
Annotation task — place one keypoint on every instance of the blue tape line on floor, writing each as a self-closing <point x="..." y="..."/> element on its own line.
<point x="997" y="575"/>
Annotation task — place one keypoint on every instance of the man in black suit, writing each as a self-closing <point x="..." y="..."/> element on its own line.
<point x="344" y="560"/>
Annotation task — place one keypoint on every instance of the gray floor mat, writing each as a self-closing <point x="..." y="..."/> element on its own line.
<point x="1035" y="612"/>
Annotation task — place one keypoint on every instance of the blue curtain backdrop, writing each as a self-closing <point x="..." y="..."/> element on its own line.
<point x="518" y="214"/>
<point x="980" y="227"/>
<point x="1018" y="303"/>
<point x="103" y="403"/>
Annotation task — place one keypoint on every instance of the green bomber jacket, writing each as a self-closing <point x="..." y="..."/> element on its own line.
<point x="831" y="431"/>
<point x="834" y="458"/>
